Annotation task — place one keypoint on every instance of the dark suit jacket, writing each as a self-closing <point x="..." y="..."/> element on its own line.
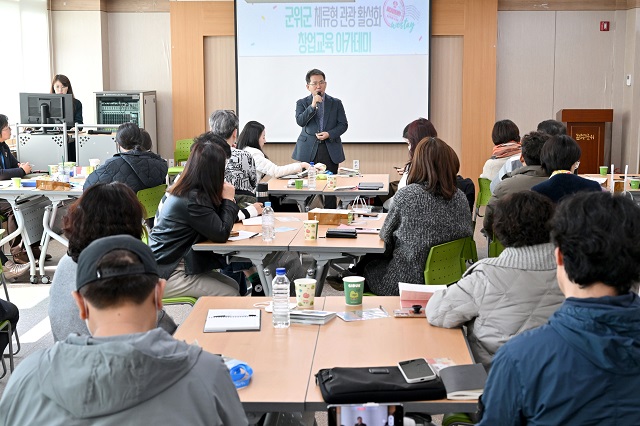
<point x="563" y="184"/>
<point x="335" y="122"/>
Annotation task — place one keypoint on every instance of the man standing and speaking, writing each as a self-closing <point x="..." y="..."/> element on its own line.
<point x="323" y="121"/>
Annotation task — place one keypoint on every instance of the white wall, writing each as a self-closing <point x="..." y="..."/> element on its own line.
<point x="77" y="41"/>
<point x="548" y="61"/>
<point x="140" y="59"/>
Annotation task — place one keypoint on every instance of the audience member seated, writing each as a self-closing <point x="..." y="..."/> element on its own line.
<point x="200" y="206"/>
<point x="506" y="138"/>
<point x="582" y="367"/>
<point x="548" y="127"/>
<point x="429" y="211"/>
<point x="560" y="157"/>
<point x="413" y="133"/>
<point x="127" y="371"/>
<point x="252" y="140"/>
<point x="10" y="168"/>
<point x="240" y="170"/>
<point x="521" y="179"/>
<point x="102" y="211"/>
<point x="134" y="165"/>
<point x="500" y="297"/>
<point x="8" y="311"/>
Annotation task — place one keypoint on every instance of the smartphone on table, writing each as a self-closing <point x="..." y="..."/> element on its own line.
<point x="416" y="370"/>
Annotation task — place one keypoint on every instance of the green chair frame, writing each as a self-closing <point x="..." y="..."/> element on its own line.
<point x="484" y="195"/>
<point x="470" y="251"/>
<point x="180" y="154"/>
<point x="5" y="327"/>
<point x="150" y="199"/>
<point x="495" y="248"/>
<point x="181" y="300"/>
<point x="445" y="263"/>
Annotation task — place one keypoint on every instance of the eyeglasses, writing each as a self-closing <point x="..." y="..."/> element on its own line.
<point x="318" y="83"/>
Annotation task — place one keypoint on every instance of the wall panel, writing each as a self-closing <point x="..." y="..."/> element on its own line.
<point x="140" y="59"/>
<point x="525" y="73"/>
<point x="219" y="72"/>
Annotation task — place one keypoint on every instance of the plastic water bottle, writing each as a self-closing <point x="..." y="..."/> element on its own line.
<point x="311" y="176"/>
<point x="280" y="288"/>
<point x="268" y="223"/>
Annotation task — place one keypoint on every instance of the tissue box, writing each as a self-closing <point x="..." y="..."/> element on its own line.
<point x="329" y="216"/>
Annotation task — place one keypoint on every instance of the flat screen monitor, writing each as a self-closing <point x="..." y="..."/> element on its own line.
<point x="46" y="108"/>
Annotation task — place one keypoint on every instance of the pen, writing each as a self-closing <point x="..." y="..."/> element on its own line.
<point x="254" y="235"/>
<point x="384" y="310"/>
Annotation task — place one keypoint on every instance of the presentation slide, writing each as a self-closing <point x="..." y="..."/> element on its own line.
<point x="374" y="53"/>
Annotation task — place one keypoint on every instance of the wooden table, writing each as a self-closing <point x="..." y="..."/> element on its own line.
<point x="385" y="342"/>
<point x="255" y="249"/>
<point x="281" y="358"/>
<point x="324" y="249"/>
<point x="280" y="188"/>
<point x="285" y="361"/>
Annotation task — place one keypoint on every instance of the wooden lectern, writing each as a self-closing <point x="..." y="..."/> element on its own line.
<point x="586" y="126"/>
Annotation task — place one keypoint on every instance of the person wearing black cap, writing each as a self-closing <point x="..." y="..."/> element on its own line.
<point x="127" y="369"/>
<point x="134" y="165"/>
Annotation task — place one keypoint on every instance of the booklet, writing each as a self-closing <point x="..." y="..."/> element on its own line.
<point x="220" y="320"/>
<point x="311" y="317"/>
<point x="464" y="381"/>
<point x="417" y="294"/>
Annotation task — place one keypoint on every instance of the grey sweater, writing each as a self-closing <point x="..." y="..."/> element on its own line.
<point x="63" y="312"/>
<point x="417" y="221"/>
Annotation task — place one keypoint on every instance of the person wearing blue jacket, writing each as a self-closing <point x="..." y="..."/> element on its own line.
<point x="583" y="367"/>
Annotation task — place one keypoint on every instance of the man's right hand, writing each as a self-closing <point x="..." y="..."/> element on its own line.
<point x="26" y="167"/>
<point x="316" y="99"/>
<point x="258" y="207"/>
<point x="228" y="191"/>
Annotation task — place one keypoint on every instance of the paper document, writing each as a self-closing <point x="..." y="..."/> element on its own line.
<point x="244" y="235"/>
<point x="366" y="314"/>
<point x="219" y="320"/>
<point x="287" y="219"/>
<point x="252" y="221"/>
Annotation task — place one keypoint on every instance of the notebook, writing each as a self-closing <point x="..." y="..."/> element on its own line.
<point x="464" y="381"/>
<point x="220" y="320"/>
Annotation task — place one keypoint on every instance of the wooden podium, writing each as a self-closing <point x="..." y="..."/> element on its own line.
<point x="586" y="126"/>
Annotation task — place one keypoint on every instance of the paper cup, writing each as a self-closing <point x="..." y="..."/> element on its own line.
<point x="305" y="292"/>
<point x="310" y="230"/>
<point x="94" y="162"/>
<point x="353" y="289"/>
<point x="17" y="182"/>
<point x="53" y="169"/>
<point x="299" y="183"/>
<point x="604" y="170"/>
<point x="332" y="181"/>
<point x="634" y="184"/>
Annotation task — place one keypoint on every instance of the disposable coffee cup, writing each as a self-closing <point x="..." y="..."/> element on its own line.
<point x="353" y="289"/>
<point x="305" y="292"/>
<point x="310" y="228"/>
<point x="332" y="181"/>
<point x="17" y="182"/>
<point x="94" y="162"/>
<point x="634" y="184"/>
<point x="53" y="169"/>
<point x="604" y="170"/>
<point x="299" y="183"/>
